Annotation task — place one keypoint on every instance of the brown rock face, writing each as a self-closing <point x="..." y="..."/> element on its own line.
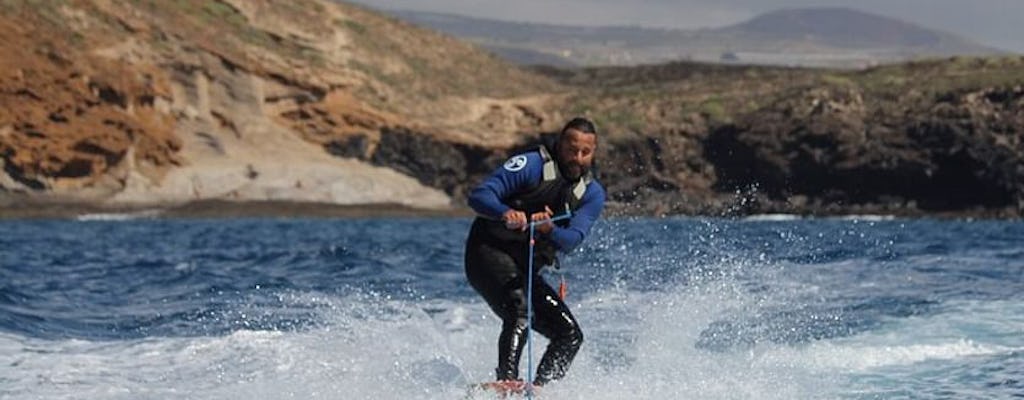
<point x="150" y="102"/>
<point x="154" y="102"/>
<point x="69" y="119"/>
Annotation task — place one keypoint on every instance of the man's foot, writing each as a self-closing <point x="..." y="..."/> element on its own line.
<point x="505" y="387"/>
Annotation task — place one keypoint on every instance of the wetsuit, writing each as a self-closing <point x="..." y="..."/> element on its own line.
<point x="497" y="257"/>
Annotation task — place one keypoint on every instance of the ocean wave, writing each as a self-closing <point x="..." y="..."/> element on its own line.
<point x="773" y="217"/>
<point x="125" y="216"/>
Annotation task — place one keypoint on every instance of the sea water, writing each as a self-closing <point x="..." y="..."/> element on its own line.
<point x="765" y="308"/>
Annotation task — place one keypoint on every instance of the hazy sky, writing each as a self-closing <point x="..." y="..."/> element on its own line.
<point x="998" y="23"/>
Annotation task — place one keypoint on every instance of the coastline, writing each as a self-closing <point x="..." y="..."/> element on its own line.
<point x="65" y="209"/>
<point x="216" y="209"/>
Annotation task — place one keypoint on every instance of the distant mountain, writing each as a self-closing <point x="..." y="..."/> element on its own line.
<point x="546" y="44"/>
<point x="848" y="28"/>
<point x="832" y="36"/>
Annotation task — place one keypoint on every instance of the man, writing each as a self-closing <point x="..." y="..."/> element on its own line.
<point x="533" y="186"/>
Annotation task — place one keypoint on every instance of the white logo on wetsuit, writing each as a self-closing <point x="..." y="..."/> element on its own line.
<point x="515" y="163"/>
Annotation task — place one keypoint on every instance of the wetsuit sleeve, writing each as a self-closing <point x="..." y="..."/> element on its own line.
<point x="589" y="211"/>
<point x="517" y="174"/>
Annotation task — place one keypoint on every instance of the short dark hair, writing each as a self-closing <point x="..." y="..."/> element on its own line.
<point x="580" y="124"/>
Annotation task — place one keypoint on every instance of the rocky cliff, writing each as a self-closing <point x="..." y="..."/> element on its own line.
<point x="940" y="137"/>
<point x="162" y="102"/>
<point x="156" y="103"/>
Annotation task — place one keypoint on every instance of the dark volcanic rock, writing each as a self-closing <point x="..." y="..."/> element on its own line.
<point x="657" y="175"/>
<point x="817" y="150"/>
<point x="960" y="152"/>
<point x="450" y="166"/>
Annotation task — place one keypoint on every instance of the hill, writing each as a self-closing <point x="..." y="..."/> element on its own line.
<point x="200" y="105"/>
<point x="938" y="137"/>
<point x="827" y="37"/>
<point x="839" y="27"/>
<point x="844" y="28"/>
<point x="149" y="101"/>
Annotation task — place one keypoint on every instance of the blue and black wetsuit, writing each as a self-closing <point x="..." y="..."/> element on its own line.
<point x="497" y="257"/>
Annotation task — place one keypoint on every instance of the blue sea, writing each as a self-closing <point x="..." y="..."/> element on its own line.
<point x="773" y="307"/>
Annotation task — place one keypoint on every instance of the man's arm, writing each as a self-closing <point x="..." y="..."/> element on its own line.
<point x="591" y="205"/>
<point x="518" y="173"/>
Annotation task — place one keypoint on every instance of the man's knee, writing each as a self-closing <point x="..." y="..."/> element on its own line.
<point x="573" y="337"/>
<point x="568" y="330"/>
<point x="514" y="324"/>
<point x="567" y="336"/>
<point x="514" y="307"/>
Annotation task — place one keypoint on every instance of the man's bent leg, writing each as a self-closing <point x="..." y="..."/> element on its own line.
<point x="513" y="335"/>
<point x="493" y="273"/>
<point x="554" y="320"/>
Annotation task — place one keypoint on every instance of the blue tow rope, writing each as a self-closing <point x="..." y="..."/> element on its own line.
<point x="529" y="305"/>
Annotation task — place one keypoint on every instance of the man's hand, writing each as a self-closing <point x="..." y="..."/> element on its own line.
<point x="547" y="226"/>
<point x="514" y="219"/>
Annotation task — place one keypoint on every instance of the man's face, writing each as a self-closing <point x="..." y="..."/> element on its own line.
<point x="576" y="152"/>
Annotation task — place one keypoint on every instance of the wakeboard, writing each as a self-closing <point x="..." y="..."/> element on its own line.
<point x="501" y="390"/>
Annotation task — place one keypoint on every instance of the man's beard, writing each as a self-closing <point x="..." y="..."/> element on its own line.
<point x="569" y="169"/>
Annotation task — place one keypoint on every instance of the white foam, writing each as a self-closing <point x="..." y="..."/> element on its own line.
<point x="128" y="216"/>
<point x="849" y="358"/>
<point x="376" y="348"/>
<point x="640" y="345"/>
<point x="662" y="330"/>
<point x="963" y="329"/>
<point x="794" y="217"/>
<point x="866" y="217"/>
<point x="772" y="217"/>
